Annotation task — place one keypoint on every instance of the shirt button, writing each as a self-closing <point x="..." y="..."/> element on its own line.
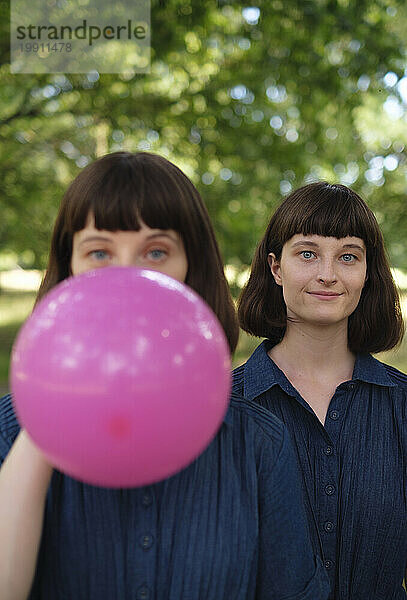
<point x="328" y="564"/>
<point x="329" y="526"/>
<point x="143" y="593"/>
<point x="351" y="386"/>
<point x="146" y="541"/>
<point x="334" y="415"/>
<point x="329" y="490"/>
<point x="328" y="450"/>
<point x="147" y="500"/>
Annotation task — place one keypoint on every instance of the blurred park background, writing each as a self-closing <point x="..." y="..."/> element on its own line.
<point x="251" y="100"/>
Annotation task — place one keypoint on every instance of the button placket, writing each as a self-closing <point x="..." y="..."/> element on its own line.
<point x="143" y="593"/>
<point x="144" y="545"/>
<point x="328" y="490"/>
<point x="334" y="415"/>
<point x="146" y="541"/>
<point x="334" y="419"/>
<point x="329" y="526"/>
<point x="147" y="499"/>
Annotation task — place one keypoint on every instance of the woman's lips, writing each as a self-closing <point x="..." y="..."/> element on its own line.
<point x="325" y="295"/>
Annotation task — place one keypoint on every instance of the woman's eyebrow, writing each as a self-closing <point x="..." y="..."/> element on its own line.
<point x="101" y="238"/>
<point x="162" y="233"/>
<point x="94" y="238"/>
<point x="354" y="246"/>
<point x="305" y="243"/>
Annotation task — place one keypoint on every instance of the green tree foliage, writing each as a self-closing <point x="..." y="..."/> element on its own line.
<point x="251" y="101"/>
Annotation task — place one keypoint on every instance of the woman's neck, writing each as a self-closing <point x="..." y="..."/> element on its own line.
<point x="311" y="350"/>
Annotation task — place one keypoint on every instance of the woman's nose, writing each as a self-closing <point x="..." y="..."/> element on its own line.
<point x="326" y="273"/>
<point x="127" y="259"/>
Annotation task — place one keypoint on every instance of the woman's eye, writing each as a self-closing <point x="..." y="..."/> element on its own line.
<point x="157" y="254"/>
<point x="307" y="254"/>
<point x="98" y="255"/>
<point x="348" y="257"/>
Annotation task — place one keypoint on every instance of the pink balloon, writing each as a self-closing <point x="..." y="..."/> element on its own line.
<point x="121" y="376"/>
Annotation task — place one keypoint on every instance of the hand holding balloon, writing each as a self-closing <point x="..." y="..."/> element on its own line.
<point x="121" y="376"/>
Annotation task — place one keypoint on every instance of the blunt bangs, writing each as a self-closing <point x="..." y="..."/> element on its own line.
<point x="121" y="191"/>
<point x="326" y="210"/>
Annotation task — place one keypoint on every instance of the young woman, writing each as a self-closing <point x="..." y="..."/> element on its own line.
<point x="230" y="525"/>
<point x="322" y="293"/>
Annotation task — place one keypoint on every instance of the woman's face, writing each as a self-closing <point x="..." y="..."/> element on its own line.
<point x="322" y="277"/>
<point x="158" y="249"/>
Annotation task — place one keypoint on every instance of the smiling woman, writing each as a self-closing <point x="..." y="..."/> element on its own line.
<point x="322" y="292"/>
<point x="333" y="212"/>
<point x="320" y="268"/>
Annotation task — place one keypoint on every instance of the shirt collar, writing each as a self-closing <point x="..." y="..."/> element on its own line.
<point x="261" y="373"/>
<point x="371" y="370"/>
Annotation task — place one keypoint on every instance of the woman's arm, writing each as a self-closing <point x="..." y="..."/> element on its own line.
<point x="24" y="481"/>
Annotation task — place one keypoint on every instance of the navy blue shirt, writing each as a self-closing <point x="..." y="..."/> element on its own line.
<point x="230" y="526"/>
<point x="354" y="470"/>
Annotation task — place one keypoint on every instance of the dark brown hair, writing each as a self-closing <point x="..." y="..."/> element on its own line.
<point x="334" y="211"/>
<point x="122" y="189"/>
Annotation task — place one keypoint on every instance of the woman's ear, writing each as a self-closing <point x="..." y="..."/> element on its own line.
<point x="275" y="269"/>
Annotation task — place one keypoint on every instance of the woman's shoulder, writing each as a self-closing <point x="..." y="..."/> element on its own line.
<point x="260" y="434"/>
<point x="397" y="377"/>
<point x="392" y="388"/>
<point x="256" y="418"/>
<point x="9" y="426"/>
<point x="383" y="374"/>
<point x="255" y="367"/>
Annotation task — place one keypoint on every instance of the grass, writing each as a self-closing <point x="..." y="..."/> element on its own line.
<point x="16" y="306"/>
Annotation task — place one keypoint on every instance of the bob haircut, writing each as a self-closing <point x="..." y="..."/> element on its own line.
<point x="333" y="211"/>
<point x="122" y="190"/>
